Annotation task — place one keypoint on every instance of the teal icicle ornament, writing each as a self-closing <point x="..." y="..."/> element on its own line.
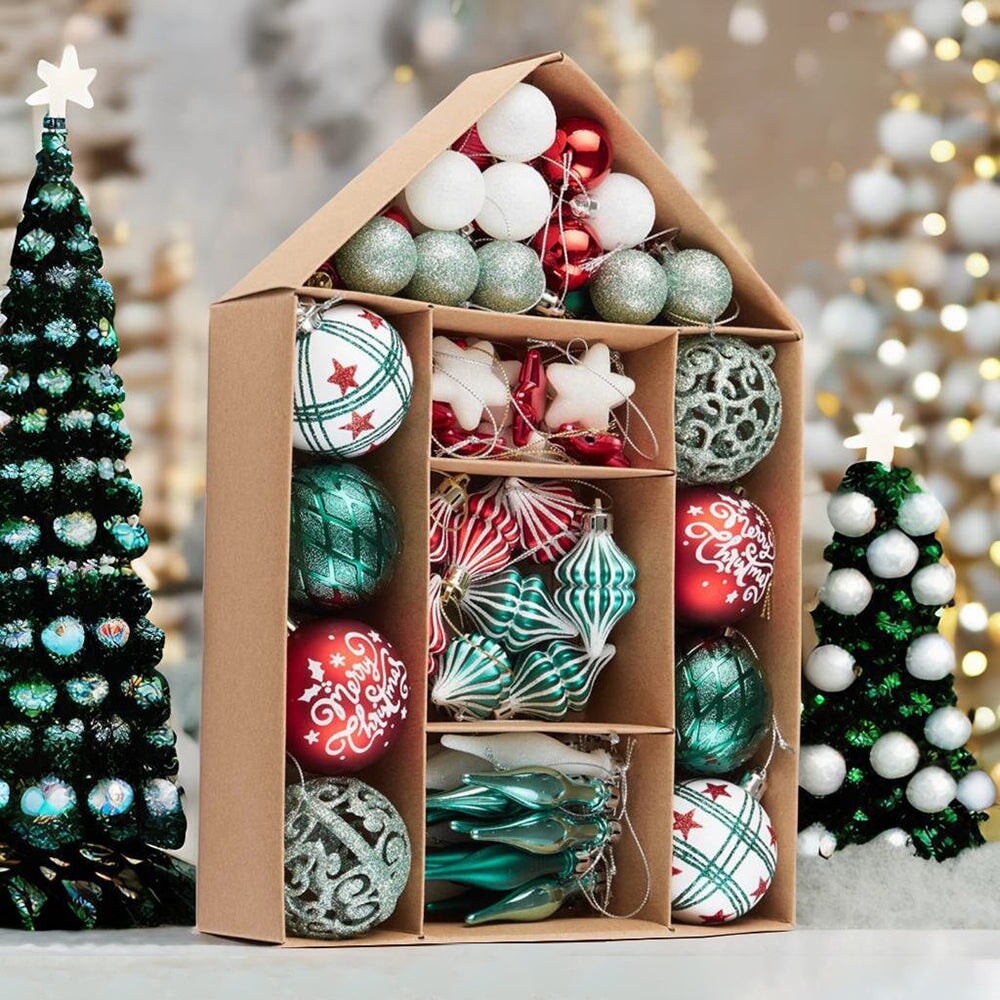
<point x="496" y="867"/>
<point x="535" y="901"/>
<point x="546" y="788"/>
<point x="595" y="582"/>
<point x="474" y="678"/>
<point x="545" y="832"/>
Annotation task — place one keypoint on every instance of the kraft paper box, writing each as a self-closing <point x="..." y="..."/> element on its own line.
<point x="251" y="356"/>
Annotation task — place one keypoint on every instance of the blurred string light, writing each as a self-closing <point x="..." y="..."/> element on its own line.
<point x="947" y="49"/>
<point x="943" y="150"/>
<point x="954" y="317"/>
<point x="984" y="719"/>
<point x="977" y="264"/>
<point x="974" y="663"/>
<point x="986" y="70"/>
<point x="995" y="557"/>
<point x="747" y="23"/>
<point x="934" y="224"/>
<point x="985" y="166"/>
<point x="973" y="617"/>
<point x="892" y="352"/>
<point x="959" y="428"/>
<point x="989" y="369"/>
<point x="909" y="299"/>
<point x="926" y="386"/>
<point x="975" y="13"/>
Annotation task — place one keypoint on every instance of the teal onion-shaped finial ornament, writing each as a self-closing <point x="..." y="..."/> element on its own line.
<point x="474" y="678"/>
<point x="595" y="582"/>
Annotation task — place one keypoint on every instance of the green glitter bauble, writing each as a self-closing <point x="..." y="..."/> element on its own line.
<point x="723" y="705"/>
<point x="699" y="287"/>
<point x="727" y="408"/>
<point x="347" y="858"/>
<point x="447" y="269"/>
<point x="380" y="257"/>
<point x="629" y="287"/>
<point x="345" y="536"/>
<point x="511" y="277"/>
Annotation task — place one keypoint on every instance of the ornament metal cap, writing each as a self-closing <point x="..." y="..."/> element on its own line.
<point x="550" y="305"/>
<point x="754" y="783"/>
<point x="599" y="519"/>
<point x="583" y="205"/>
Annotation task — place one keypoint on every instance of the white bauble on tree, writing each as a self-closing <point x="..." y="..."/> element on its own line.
<point x="846" y="591"/>
<point x="816" y="841"/>
<point x="982" y="328"/>
<point x="448" y="193"/>
<point x="821" y="769"/>
<point x="851" y="323"/>
<point x="931" y="789"/>
<point x="624" y="212"/>
<point x="938" y="18"/>
<point x="894" y="837"/>
<point x="520" y="126"/>
<point x="947" y="727"/>
<point x="976" y="791"/>
<point x="922" y="195"/>
<point x="934" y="584"/>
<point x="908" y="135"/>
<point x="830" y="668"/>
<point x="920" y="514"/>
<point x="877" y="197"/>
<point x="892" y="555"/>
<point x="517" y="202"/>
<point x="974" y="213"/>
<point x="930" y="657"/>
<point x="971" y="532"/>
<point x="850" y="513"/>
<point x="906" y="49"/>
<point x="894" y="755"/>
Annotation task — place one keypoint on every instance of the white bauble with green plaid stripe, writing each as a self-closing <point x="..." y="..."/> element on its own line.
<point x="353" y="380"/>
<point x="725" y="852"/>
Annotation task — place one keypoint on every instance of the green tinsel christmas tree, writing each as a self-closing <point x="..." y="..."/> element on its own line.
<point x="87" y="796"/>
<point x="883" y="743"/>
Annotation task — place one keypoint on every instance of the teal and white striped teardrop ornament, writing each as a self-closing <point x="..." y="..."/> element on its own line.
<point x="474" y="678"/>
<point x="595" y="582"/>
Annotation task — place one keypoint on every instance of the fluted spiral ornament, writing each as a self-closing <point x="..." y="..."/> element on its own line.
<point x="437" y="641"/>
<point x="595" y="580"/>
<point x="477" y="548"/>
<point x="548" y="683"/>
<point x="473" y="679"/>
<point x="489" y="604"/>
<point x="448" y="502"/>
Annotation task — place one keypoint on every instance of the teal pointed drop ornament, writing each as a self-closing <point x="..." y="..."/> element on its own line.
<point x="537" y="900"/>
<point x="546" y="788"/>
<point x="542" y="832"/>
<point x="595" y="580"/>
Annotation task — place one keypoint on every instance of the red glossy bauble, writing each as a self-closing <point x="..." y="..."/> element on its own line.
<point x="469" y="144"/>
<point x="582" y="144"/>
<point x="724" y="556"/>
<point x="346" y="696"/>
<point x="398" y="215"/>
<point x="563" y="252"/>
<point x="594" y="447"/>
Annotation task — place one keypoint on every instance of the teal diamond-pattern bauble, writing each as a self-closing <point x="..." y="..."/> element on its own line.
<point x="345" y="536"/>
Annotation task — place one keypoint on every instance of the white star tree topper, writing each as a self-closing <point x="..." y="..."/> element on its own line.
<point x="65" y="82"/>
<point x="880" y="434"/>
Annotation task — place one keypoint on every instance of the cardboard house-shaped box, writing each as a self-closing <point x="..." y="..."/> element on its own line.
<point x="241" y="875"/>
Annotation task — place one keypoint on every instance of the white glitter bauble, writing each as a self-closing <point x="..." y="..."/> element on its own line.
<point x="930" y="657"/>
<point x="977" y="791"/>
<point x="830" y="668"/>
<point x="852" y="514"/>
<point x="894" y="755"/>
<point x="982" y="328"/>
<point x="517" y="204"/>
<point x="520" y="126"/>
<point x="846" y="591"/>
<point x="920" y="514"/>
<point x="448" y="193"/>
<point x="948" y="728"/>
<point x="851" y="323"/>
<point x="934" y="584"/>
<point x="909" y="135"/>
<point x="974" y="214"/>
<point x="938" y="18"/>
<point x="821" y="769"/>
<point x="876" y="197"/>
<point x="816" y="841"/>
<point x="931" y="789"/>
<point x="625" y="211"/>
<point x="892" y="555"/>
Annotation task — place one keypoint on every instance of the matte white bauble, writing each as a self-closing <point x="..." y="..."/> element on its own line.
<point x="948" y="728"/>
<point x="930" y="657"/>
<point x="876" y="197"/>
<point x="982" y="41"/>
<point x="894" y="837"/>
<point x="926" y="262"/>
<point x="520" y="126"/>
<point x="982" y="328"/>
<point x="920" y="514"/>
<point x="971" y="531"/>
<point x="934" y="584"/>
<point x="931" y="789"/>
<point x="922" y="195"/>
<point x="821" y="769"/>
<point x="938" y="18"/>
<point x="980" y="451"/>
<point x="851" y="323"/>
<point x="974" y="213"/>
<point x="906" y="49"/>
<point x="517" y="203"/>
<point x="852" y="514"/>
<point x="892" y="555"/>
<point x="956" y="284"/>
<point x="894" y="755"/>
<point x="908" y="135"/>
<point x="448" y="193"/>
<point x="977" y="791"/>
<point x="846" y="591"/>
<point x="624" y="212"/>
<point x="958" y="386"/>
<point x="816" y="841"/>
<point x="830" y="668"/>
<point x="989" y="396"/>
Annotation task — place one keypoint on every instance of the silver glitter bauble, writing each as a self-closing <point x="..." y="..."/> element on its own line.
<point x="629" y="287"/>
<point x="447" y="269"/>
<point x="380" y="257"/>
<point x="347" y="858"/>
<point x="511" y="278"/>
<point x="727" y="408"/>
<point x="699" y="287"/>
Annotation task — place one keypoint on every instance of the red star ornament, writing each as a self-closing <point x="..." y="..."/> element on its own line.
<point x="719" y="917"/>
<point x="685" y="823"/>
<point x="343" y="376"/>
<point x="373" y="318"/>
<point x="360" y="422"/>
<point x="717" y="791"/>
<point x="762" y="887"/>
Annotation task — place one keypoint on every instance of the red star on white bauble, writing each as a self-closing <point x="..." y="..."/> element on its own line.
<point x="725" y="852"/>
<point x="468" y="379"/>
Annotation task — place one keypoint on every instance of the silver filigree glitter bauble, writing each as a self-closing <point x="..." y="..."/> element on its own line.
<point x="511" y="278"/>
<point x="347" y="858"/>
<point x="380" y="257"/>
<point x="699" y="287"/>
<point x="727" y="408"/>
<point x="629" y="287"/>
<point x="447" y="269"/>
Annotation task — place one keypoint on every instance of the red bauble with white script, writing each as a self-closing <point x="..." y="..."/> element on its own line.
<point x="346" y="696"/>
<point x="724" y="556"/>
